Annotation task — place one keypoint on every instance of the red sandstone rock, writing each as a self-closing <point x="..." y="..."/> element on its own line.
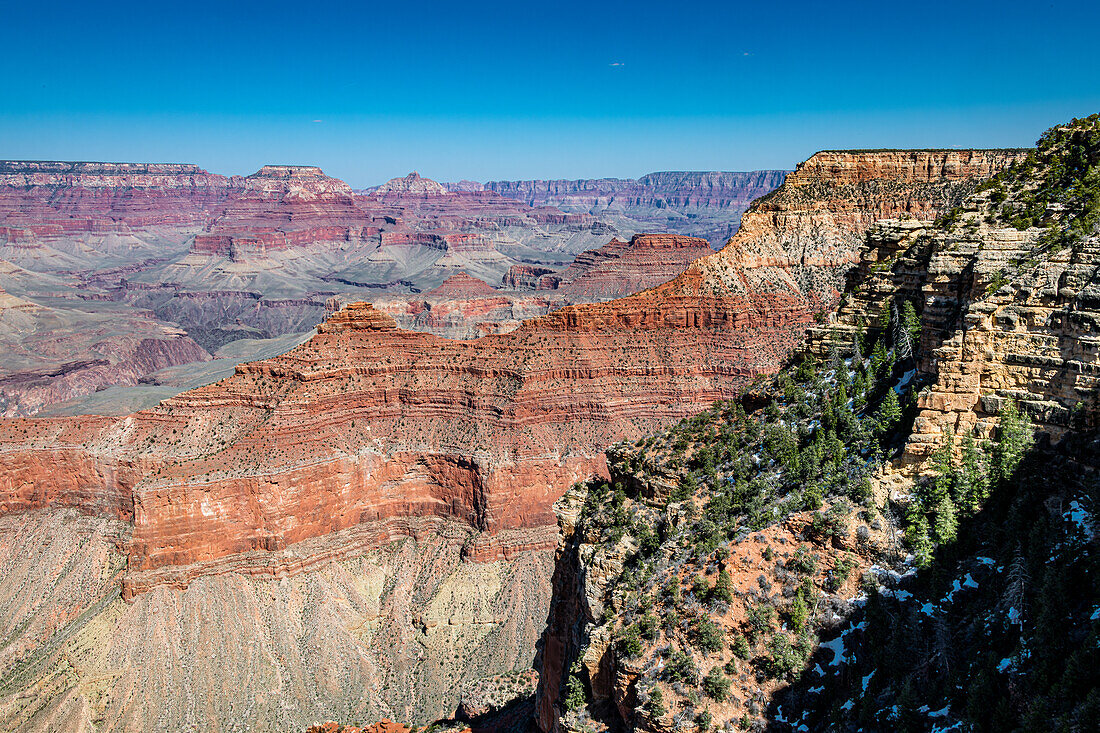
<point x="617" y="269"/>
<point x="462" y="285"/>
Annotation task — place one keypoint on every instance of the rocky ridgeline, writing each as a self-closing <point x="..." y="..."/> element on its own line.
<point x="255" y="490"/>
<point x="52" y="198"/>
<point x="873" y="570"/>
<point x="706" y="204"/>
<point x="721" y="190"/>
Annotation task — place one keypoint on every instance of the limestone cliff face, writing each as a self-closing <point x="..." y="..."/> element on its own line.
<point x="51" y="198"/>
<point x="813" y="225"/>
<point x="1006" y="315"/>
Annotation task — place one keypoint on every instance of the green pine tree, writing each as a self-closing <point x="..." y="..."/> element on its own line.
<point x="889" y="413"/>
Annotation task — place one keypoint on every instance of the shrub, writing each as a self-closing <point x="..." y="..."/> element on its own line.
<point x="759" y="619"/>
<point x="723" y="589"/>
<point x="630" y="642"/>
<point x="575" y="695"/>
<point x="785" y="658"/>
<point x="655" y="705"/>
<point x="707" y="636"/>
<point x="802" y="561"/>
<point x="647" y="626"/>
<point x="680" y="668"/>
<point x="716" y="684"/>
<point x="740" y="647"/>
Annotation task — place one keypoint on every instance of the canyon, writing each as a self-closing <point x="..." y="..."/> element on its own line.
<point x="210" y="268"/>
<point x="373" y="508"/>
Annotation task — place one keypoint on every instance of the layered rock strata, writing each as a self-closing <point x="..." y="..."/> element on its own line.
<point x="53" y="198"/>
<point x="615" y="270"/>
<point x="703" y="204"/>
<point x="1006" y="315"/>
<point x="366" y="421"/>
<point x="388" y="435"/>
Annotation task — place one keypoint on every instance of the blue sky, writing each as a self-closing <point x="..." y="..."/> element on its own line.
<point x="487" y="90"/>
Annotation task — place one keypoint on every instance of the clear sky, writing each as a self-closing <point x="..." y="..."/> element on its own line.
<point x="486" y="90"/>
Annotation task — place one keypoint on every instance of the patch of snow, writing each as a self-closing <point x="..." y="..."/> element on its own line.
<point x="929" y="609"/>
<point x="836" y="646"/>
<point x="1005" y="664"/>
<point x="1095" y="615"/>
<point x="867" y="679"/>
<point x="905" y="379"/>
<point x="1081" y="517"/>
<point x="967" y="582"/>
<point x="954" y="726"/>
<point x="941" y="713"/>
<point x="985" y="560"/>
<point x="901" y="595"/>
<point x="1013" y="615"/>
<point x="817" y="690"/>
<point x="847" y="706"/>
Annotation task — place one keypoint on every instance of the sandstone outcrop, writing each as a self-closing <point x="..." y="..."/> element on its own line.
<point x="1007" y="314"/>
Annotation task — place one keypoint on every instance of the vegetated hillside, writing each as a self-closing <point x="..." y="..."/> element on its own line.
<point x="897" y="533"/>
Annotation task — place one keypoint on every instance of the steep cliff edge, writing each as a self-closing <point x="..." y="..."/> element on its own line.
<point x="897" y="532"/>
